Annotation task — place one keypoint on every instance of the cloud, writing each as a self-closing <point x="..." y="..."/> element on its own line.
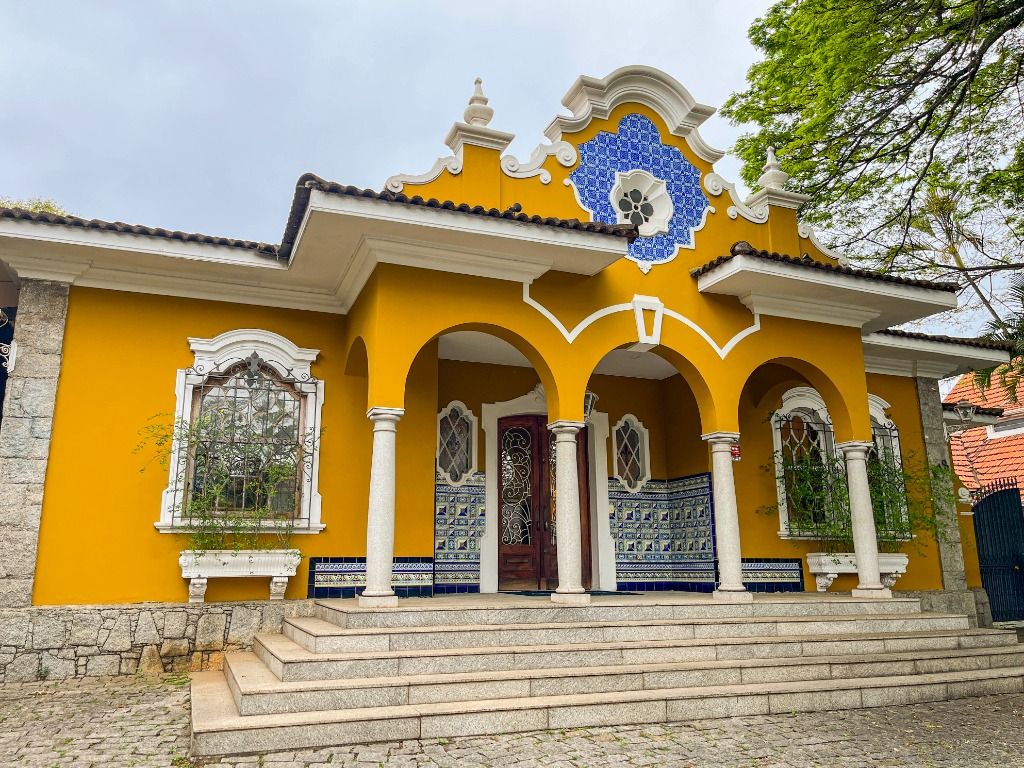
<point x="200" y="116"/>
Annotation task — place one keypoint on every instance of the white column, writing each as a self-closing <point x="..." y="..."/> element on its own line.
<point x="727" y="521"/>
<point x="380" y="522"/>
<point x="865" y="541"/>
<point x="567" y="515"/>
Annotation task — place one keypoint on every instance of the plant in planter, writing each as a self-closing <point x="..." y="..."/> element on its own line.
<point x="239" y="468"/>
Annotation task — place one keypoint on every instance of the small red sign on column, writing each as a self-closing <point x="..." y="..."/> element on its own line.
<point x="734" y="449"/>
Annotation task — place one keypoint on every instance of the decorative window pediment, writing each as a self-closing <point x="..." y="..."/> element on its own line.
<point x="631" y="445"/>
<point x="246" y="435"/>
<point x="456" y="443"/>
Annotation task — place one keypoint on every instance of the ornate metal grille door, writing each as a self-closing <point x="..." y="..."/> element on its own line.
<point x="527" y="552"/>
<point x="999" y="528"/>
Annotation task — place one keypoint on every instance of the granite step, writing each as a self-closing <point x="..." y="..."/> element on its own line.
<point x="434" y="612"/>
<point x="257" y="691"/>
<point x="321" y="636"/>
<point x="218" y="728"/>
<point x="291" y="662"/>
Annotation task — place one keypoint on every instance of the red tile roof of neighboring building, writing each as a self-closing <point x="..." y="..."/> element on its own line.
<point x="979" y="459"/>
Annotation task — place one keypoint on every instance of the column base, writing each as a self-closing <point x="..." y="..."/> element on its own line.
<point x="570" y="598"/>
<point x="732" y="596"/>
<point x="378" y="601"/>
<point x="872" y="592"/>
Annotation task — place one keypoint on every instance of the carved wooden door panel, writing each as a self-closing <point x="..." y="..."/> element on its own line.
<point x="527" y="505"/>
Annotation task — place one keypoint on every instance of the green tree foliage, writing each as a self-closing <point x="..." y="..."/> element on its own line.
<point x="884" y="111"/>
<point x="35" y="205"/>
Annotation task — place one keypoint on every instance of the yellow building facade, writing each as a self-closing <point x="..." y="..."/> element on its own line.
<point x="599" y="369"/>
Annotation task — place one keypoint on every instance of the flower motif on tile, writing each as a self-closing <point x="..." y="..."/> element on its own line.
<point x="613" y="166"/>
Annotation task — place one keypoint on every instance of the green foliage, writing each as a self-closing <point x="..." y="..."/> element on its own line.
<point x="904" y="499"/>
<point x="817" y="499"/>
<point x="873" y="104"/>
<point x="35" y="205"/>
<point x="1006" y="379"/>
<point x="239" y="490"/>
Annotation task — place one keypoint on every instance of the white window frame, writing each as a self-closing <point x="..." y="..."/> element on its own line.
<point x="287" y="360"/>
<point x="877" y="408"/>
<point x="795" y="401"/>
<point x="807" y="400"/>
<point x="474" y="426"/>
<point x="645" y="452"/>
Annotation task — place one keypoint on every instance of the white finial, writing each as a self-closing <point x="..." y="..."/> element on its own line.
<point x="773" y="177"/>
<point x="478" y="113"/>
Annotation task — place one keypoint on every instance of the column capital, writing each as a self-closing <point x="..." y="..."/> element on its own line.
<point x="385" y="414"/>
<point x="851" y="448"/>
<point x="727" y="438"/>
<point x="565" y="427"/>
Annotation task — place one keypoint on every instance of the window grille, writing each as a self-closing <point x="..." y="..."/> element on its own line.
<point x="813" y="496"/>
<point x="887" y="484"/>
<point x="632" y="453"/>
<point x="456" y="443"/>
<point x="246" y="450"/>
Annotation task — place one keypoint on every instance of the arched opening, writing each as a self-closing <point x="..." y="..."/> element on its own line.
<point x="480" y="403"/>
<point x="792" y="494"/>
<point x="657" y="531"/>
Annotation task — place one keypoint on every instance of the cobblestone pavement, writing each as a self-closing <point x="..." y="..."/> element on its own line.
<point x="121" y="722"/>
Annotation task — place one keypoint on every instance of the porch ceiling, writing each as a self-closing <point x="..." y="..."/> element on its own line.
<point x="476" y="347"/>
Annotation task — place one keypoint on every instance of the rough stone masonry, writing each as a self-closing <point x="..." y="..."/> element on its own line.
<point x="85" y="641"/>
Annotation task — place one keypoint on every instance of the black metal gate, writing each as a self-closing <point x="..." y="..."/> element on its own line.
<point x="999" y="528"/>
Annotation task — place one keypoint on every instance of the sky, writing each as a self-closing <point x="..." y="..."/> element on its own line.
<point x="200" y="116"/>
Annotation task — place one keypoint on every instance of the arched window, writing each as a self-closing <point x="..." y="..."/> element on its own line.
<point x="810" y="479"/>
<point x="246" y="444"/>
<point x="245" y="448"/>
<point x="456" y="443"/>
<point x="885" y="475"/>
<point x="631" y="445"/>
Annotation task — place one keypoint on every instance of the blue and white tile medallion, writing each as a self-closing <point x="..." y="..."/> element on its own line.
<point x="638" y="146"/>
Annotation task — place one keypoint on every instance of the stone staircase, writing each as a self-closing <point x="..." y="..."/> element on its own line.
<point x="469" y="665"/>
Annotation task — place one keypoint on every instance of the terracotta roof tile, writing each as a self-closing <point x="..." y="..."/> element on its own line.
<point x="20" y="214"/>
<point x="743" y="248"/>
<point x="978" y="460"/>
<point x="308" y="182"/>
<point x="979" y="342"/>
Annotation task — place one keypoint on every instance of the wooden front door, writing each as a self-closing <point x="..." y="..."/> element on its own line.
<point x="528" y="504"/>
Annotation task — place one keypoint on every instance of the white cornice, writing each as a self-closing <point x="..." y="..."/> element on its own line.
<point x="462" y="134"/>
<point x="779" y="287"/>
<point x="591" y="98"/>
<point x="373" y="251"/>
<point x="453" y="221"/>
<point x="62" y="234"/>
<point x="809" y="310"/>
<point x="927" y="358"/>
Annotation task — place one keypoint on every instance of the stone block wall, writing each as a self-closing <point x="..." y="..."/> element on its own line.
<point x="25" y="431"/>
<point x="40" y="643"/>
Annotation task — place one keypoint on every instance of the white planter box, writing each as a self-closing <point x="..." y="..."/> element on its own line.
<point x="200" y="565"/>
<point x="826" y="567"/>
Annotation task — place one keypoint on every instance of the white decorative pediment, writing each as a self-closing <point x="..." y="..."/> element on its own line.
<point x="591" y="98"/>
<point x="564" y="152"/>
